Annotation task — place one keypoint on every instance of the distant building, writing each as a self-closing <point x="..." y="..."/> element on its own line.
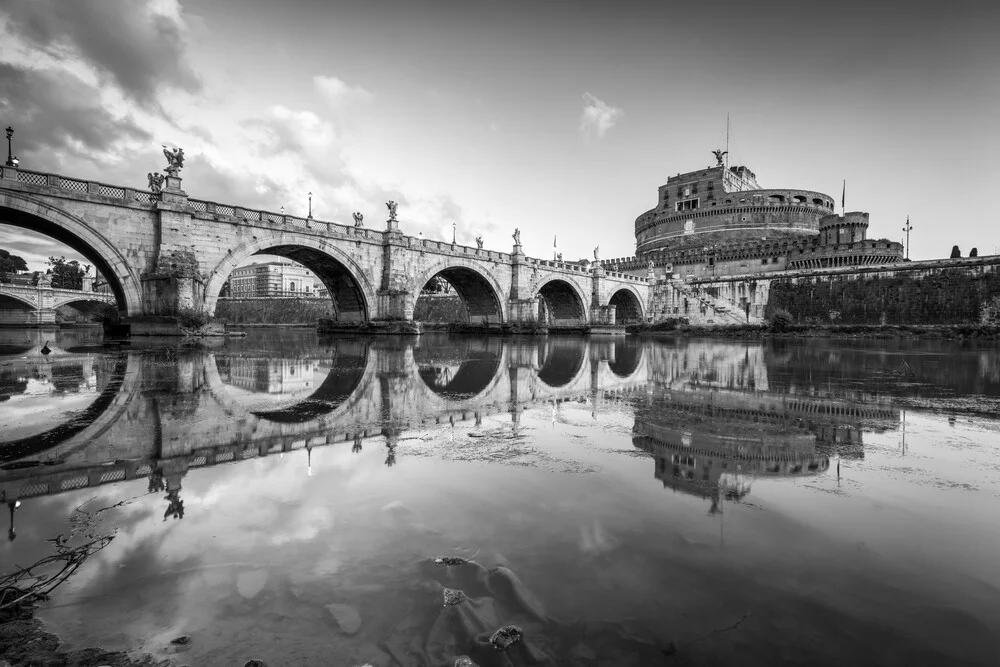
<point x="271" y="279"/>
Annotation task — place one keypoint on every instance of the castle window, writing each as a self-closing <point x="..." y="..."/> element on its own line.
<point x="817" y="201"/>
<point x="764" y="261"/>
<point x="686" y="205"/>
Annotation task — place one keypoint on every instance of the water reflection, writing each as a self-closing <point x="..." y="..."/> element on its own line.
<point x="351" y="460"/>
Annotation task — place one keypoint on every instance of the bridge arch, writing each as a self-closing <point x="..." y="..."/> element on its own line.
<point x="561" y="302"/>
<point x="628" y="305"/>
<point x="16" y="297"/>
<point x="478" y="288"/>
<point x="350" y="289"/>
<point x="84" y="297"/>
<point x="27" y="212"/>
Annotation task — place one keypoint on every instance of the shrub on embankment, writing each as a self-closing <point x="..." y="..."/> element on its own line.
<point x="273" y="311"/>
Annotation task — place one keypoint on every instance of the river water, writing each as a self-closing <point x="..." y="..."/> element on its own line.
<point x="622" y="501"/>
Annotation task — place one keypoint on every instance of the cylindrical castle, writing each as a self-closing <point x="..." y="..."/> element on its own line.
<point x="720" y="205"/>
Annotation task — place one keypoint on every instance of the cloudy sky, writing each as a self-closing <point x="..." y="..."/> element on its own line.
<point x="560" y="118"/>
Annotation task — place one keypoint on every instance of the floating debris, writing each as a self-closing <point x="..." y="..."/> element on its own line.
<point x="464" y="661"/>
<point x="453" y="597"/>
<point x="505" y="637"/>
<point x="180" y="641"/>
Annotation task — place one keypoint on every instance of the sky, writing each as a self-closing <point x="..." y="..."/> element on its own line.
<point x="559" y="118"/>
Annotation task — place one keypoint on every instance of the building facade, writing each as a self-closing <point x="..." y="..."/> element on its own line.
<point x="272" y="279"/>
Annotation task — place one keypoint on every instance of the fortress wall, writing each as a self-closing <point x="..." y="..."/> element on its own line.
<point x="945" y="291"/>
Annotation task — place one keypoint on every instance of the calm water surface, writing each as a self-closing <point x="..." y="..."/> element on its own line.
<point x="284" y="497"/>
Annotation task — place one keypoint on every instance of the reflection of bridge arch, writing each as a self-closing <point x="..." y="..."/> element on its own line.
<point x="23" y="210"/>
<point x="479" y="363"/>
<point x="628" y="356"/>
<point x="562" y="302"/>
<point x="347" y="370"/>
<point x="478" y="288"/>
<point x="351" y="291"/>
<point x="96" y="417"/>
<point x="560" y="361"/>
<point x="332" y="400"/>
<point x="628" y="305"/>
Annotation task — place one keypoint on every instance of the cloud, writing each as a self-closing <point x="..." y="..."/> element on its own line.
<point x="598" y="117"/>
<point x="337" y="92"/>
<point x="57" y="111"/>
<point x="139" y="46"/>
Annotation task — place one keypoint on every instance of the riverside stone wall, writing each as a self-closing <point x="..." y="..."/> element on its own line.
<point x="932" y="295"/>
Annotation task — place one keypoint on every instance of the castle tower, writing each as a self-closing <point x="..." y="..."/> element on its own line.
<point x="841" y="230"/>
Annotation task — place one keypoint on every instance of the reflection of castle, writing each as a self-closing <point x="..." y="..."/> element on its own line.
<point x="721" y="466"/>
<point x="270" y="376"/>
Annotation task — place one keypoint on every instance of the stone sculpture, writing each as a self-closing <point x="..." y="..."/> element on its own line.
<point x="517" y="236"/>
<point x="391" y="205"/>
<point x="597" y="252"/>
<point x="358" y="218"/>
<point x="479" y="242"/>
<point x="175" y="160"/>
<point x="719" y="154"/>
<point x="156" y="183"/>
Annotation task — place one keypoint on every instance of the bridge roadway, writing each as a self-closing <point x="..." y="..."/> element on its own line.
<point x="35" y="305"/>
<point x="153" y="416"/>
<point x="164" y="254"/>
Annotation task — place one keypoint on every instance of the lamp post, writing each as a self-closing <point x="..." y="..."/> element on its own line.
<point x="907" y="229"/>
<point x="453" y="232"/>
<point x="10" y="158"/>
<point x="12" y="506"/>
<point x="310" y="205"/>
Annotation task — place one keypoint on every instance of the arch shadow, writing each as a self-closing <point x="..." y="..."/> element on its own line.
<point x="349" y="288"/>
<point x="479" y="290"/>
<point x="561" y="303"/>
<point x="628" y="306"/>
<point x="27" y="212"/>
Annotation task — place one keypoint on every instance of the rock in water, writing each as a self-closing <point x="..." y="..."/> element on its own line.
<point x="347" y="617"/>
<point x="505" y="637"/>
<point x="453" y="597"/>
<point x="254" y="662"/>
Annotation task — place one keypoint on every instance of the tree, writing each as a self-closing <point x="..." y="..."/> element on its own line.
<point x="955" y="252"/>
<point x="974" y="252"/>
<point x="11" y="264"/>
<point x="67" y="274"/>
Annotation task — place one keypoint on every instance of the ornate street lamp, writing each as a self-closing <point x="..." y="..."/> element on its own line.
<point x="310" y="205"/>
<point x="11" y="161"/>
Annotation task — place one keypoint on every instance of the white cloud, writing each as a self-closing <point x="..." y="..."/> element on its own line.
<point x="337" y="92"/>
<point x="598" y="116"/>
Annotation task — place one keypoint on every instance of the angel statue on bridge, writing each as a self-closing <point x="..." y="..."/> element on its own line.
<point x="719" y="154"/>
<point x="391" y="205"/>
<point x="155" y="183"/>
<point x="479" y="242"/>
<point x="175" y="160"/>
<point x="517" y="236"/>
<point x="358" y="218"/>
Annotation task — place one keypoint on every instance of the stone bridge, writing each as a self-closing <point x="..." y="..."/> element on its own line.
<point x="168" y="409"/>
<point x="29" y="305"/>
<point x="164" y="254"/>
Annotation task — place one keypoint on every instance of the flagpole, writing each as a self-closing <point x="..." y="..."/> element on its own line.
<point x="843" y="200"/>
